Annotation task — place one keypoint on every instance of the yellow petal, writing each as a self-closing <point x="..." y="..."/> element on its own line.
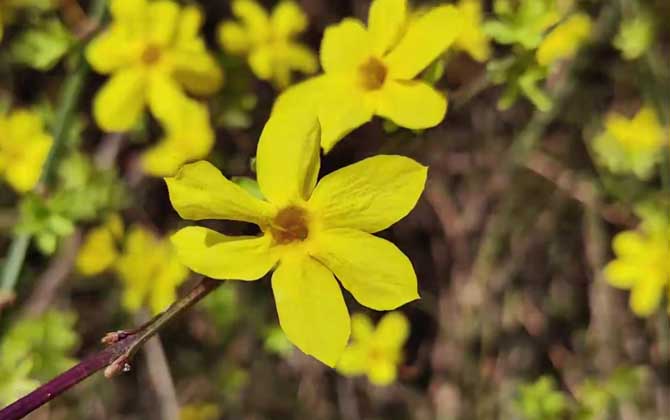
<point x="197" y="71"/>
<point x="361" y="327"/>
<point x="646" y="295"/>
<point x="564" y="40"/>
<point x="376" y="273"/>
<point x="163" y="16"/>
<point x="124" y="10"/>
<point x="199" y="191"/>
<point x="303" y="97"/>
<point x="369" y="195"/>
<point x="261" y="61"/>
<point x="342" y="108"/>
<point x="224" y="257"/>
<point x="254" y="18"/>
<point x="393" y="330"/>
<point x="629" y="243"/>
<point x="386" y="22"/>
<point x="301" y="58"/>
<point x="288" y="19"/>
<point x="382" y="373"/>
<point x="168" y="278"/>
<point x="425" y="40"/>
<point x="107" y="52"/>
<point x="473" y="39"/>
<point x="621" y="274"/>
<point x="119" y="103"/>
<point x="354" y="360"/>
<point x="412" y="104"/>
<point x="97" y="253"/>
<point x="311" y="308"/>
<point x="165" y="98"/>
<point x="234" y="38"/>
<point x="287" y="161"/>
<point x="345" y="46"/>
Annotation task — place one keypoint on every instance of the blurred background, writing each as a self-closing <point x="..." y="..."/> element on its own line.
<point x="509" y="241"/>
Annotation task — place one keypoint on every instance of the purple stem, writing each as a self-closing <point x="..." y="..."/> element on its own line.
<point x="116" y="354"/>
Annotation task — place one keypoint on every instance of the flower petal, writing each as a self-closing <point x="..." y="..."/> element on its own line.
<point x="163" y="16"/>
<point x="382" y="373"/>
<point x="107" y="53"/>
<point x="646" y="295"/>
<point x="199" y="191"/>
<point x="311" y="308"/>
<point x="224" y="257"/>
<point x="426" y="38"/>
<point x="345" y="46"/>
<point x="233" y="37"/>
<point x="393" y="330"/>
<point x="169" y="277"/>
<point x="621" y="274"/>
<point x="254" y="18"/>
<point x="629" y="243"/>
<point x="288" y="19"/>
<point x="377" y="273"/>
<point x="287" y="161"/>
<point x="119" y="103"/>
<point x="342" y="108"/>
<point x="354" y="360"/>
<point x="386" y="22"/>
<point x="369" y="195"/>
<point x="361" y="327"/>
<point x="412" y="104"/>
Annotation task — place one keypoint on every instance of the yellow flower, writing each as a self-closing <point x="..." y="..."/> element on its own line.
<point x="632" y="145"/>
<point x="99" y="249"/>
<point x="149" y="270"/>
<point x="310" y="233"/>
<point x="564" y="40"/>
<point x="375" y="352"/>
<point x="149" y="48"/>
<point x="24" y="146"/>
<point x="146" y="265"/>
<point x="269" y="41"/>
<point x="188" y="136"/>
<point x="642" y="264"/>
<point x="635" y="36"/>
<point x="473" y="39"/>
<point x="371" y="71"/>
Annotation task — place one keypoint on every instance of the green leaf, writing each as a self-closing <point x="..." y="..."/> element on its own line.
<point x="42" y="47"/>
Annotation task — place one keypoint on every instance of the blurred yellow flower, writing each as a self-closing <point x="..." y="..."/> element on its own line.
<point x="375" y="352"/>
<point x="149" y="270"/>
<point x="146" y="265"/>
<point x="635" y="36"/>
<point x="24" y="146"/>
<point x="473" y="39"/>
<point x="268" y="41"/>
<point x="371" y="71"/>
<point x="642" y="264"/>
<point x="188" y="136"/>
<point x="564" y="40"/>
<point x="150" y="47"/>
<point x="99" y="249"/>
<point x="632" y="145"/>
<point x="310" y="233"/>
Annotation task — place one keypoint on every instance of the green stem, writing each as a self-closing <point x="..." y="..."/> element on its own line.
<point x="71" y="94"/>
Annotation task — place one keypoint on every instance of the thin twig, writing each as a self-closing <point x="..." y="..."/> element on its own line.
<point x="114" y="359"/>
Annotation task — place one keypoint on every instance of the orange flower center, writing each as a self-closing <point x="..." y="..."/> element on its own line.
<point x="151" y="54"/>
<point x="290" y="225"/>
<point x="372" y="74"/>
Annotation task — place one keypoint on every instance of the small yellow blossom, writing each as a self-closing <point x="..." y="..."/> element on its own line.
<point x="635" y="36"/>
<point x="150" y="49"/>
<point x="473" y="39"/>
<point x="310" y="232"/>
<point x="268" y="41"/>
<point x="632" y="145"/>
<point x="564" y="40"/>
<point x="642" y="264"/>
<point x="188" y="136"/>
<point x="375" y="352"/>
<point x="371" y="70"/>
<point x="24" y="146"/>
<point x="146" y="265"/>
<point x="149" y="270"/>
<point x="99" y="249"/>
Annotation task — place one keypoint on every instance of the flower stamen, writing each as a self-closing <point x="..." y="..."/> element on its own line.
<point x="290" y="225"/>
<point x="372" y="74"/>
<point x="151" y="54"/>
